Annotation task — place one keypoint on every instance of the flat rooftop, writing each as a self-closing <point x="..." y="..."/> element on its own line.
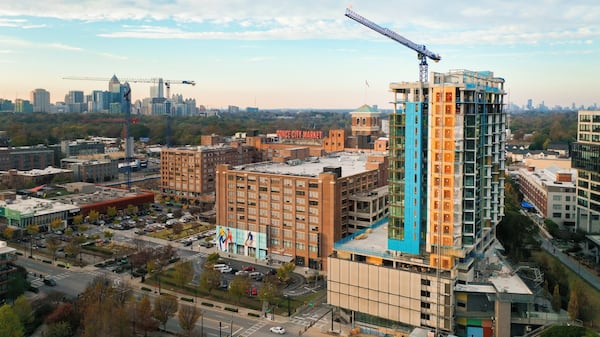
<point x="100" y="194"/>
<point x="351" y="164"/>
<point x="40" y="172"/>
<point x="36" y="206"/>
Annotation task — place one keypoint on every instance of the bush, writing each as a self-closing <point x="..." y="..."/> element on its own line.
<point x="231" y="309"/>
<point x="253" y="314"/>
<point x="60" y="265"/>
<point x="208" y="304"/>
<point x="47" y="261"/>
<point x="146" y="289"/>
<point x="187" y="299"/>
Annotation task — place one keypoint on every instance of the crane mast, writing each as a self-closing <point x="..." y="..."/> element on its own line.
<point x="422" y="52"/>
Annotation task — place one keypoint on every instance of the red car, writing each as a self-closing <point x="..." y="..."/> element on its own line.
<point x="248" y="268"/>
<point x="252" y="291"/>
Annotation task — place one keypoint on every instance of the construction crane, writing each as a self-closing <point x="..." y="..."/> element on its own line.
<point x="422" y="52"/>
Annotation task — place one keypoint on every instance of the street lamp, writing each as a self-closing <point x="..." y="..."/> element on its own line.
<point x="220" y="328"/>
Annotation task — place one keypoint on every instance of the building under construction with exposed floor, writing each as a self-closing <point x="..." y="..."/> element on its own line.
<point x="423" y="267"/>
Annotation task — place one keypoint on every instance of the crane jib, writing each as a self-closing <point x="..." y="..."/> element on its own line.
<point x="420" y="49"/>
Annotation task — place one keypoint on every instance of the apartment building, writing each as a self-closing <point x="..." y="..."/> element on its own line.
<point x="552" y="192"/>
<point x="7" y="258"/>
<point x="291" y="211"/>
<point x="446" y="192"/>
<point x="585" y="154"/>
<point x="188" y="173"/>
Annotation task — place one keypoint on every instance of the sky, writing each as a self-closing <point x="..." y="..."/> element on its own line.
<point x="298" y="54"/>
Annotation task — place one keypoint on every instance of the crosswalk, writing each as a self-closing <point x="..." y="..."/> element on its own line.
<point x="39" y="281"/>
<point x="253" y="328"/>
<point x="307" y="319"/>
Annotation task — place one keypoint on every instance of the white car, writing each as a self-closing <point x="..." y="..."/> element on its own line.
<point x="277" y="330"/>
<point x="227" y="269"/>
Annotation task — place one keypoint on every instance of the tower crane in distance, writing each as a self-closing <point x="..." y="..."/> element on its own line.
<point x="422" y="52"/>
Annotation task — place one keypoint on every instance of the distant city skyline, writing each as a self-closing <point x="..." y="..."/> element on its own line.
<point x="298" y="54"/>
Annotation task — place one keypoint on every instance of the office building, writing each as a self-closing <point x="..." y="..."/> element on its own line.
<point x="446" y="191"/>
<point x="552" y="192"/>
<point x="585" y="154"/>
<point x="41" y="100"/>
<point x="295" y="210"/>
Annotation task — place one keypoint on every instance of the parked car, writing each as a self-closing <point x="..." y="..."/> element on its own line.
<point x="227" y="269"/>
<point x="49" y="282"/>
<point x="248" y="268"/>
<point x="278" y="330"/>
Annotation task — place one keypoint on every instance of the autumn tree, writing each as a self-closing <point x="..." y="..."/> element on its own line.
<point x="52" y="244"/>
<point x="283" y="272"/>
<point x="111" y="211"/>
<point x="93" y="216"/>
<point x="8" y="232"/>
<point x="238" y="287"/>
<point x="32" y="230"/>
<point x="143" y="313"/>
<point x="183" y="273"/>
<point x="108" y="234"/>
<point x="188" y="316"/>
<point x="77" y="220"/>
<point x="177" y="228"/>
<point x="59" y="329"/>
<point x="269" y="292"/>
<point x="165" y="306"/>
<point x="22" y="309"/>
<point x="56" y="224"/>
<point x="556" y="301"/>
<point x="104" y="309"/>
<point x="210" y="279"/>
<point x="11" y="325"/>
<point x="64" y="312"/>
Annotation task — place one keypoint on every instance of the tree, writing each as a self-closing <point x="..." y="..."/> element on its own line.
<point x="59" y="329"/>
<point x="93" y="216"/>
<point x="56" y="224"/>
<point x="31" y="230"/>
<point x="143" y="313"/>
<point x="108" y="234"/>
<point x="22" y="309"/>
<point x="283" y="272"/>
<point x="211" y="259"/>
<point x="210" y="279"/>
<point x="11" y="325"/>
<point x="177" y="228"/>
<point x="183" y="273"/>
<point x="78" y="220"/>
<point x="64" y="312"/>
<point x="269" y="292"/>
<point x="556" y="302"/>
<point x="17" y="283"/>
<point x="131" y="209"/>
<point x="165" y="307"/>
<point x="238" y="287"/>
<point x="111" y="211"/>
<point x="188" y="316"/>
<point x="8" y="233"/>
<point x="573" y="307"/>
<point x="53" y="243"/>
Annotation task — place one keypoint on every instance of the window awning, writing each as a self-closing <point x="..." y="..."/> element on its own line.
<point x="281" y="258"/>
